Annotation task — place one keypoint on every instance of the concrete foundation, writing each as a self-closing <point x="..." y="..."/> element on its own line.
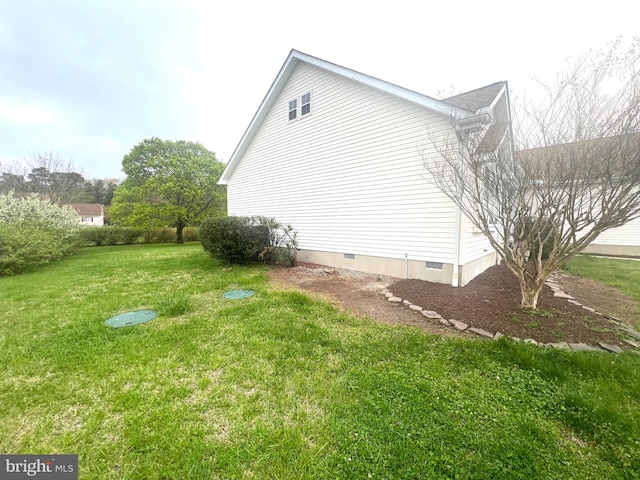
<point x="400" y="268"/>
<point x="613" y="250"/>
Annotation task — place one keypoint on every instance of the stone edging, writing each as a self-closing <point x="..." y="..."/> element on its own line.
<point x="557" y="292"/>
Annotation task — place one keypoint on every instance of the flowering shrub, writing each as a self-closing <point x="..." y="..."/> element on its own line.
<point x="33" y="231"/>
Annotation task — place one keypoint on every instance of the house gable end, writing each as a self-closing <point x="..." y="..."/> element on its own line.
<point x="293" y="60"/>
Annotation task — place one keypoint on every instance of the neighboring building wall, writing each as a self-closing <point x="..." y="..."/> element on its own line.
<point x="620" y="241"/>
<point x="91" y="221"/>
<point x="349" y="178"/>
<point x="90" y="214"/>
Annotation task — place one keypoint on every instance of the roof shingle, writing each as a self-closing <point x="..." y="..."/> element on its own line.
<point x="88" y="209"/>
<point x="478" y="98"/>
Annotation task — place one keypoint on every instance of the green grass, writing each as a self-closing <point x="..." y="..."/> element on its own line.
<point x="281" y="386"/>
<point x="623" y="274"/>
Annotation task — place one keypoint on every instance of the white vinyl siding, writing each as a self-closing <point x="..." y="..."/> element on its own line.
<point x="476" y="244"/>
<point x="627" y="235"/>
<point x="349" y="178"/>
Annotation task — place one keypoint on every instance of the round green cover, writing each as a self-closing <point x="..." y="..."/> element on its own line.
<point x="236" y="294"/>
<point x="130" y="318"/>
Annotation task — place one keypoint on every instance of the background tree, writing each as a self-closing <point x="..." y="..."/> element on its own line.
<point x="575" y="171"/>
<point x="55" y="179"/>
<point x="50" y="176"/>
<point x="168" y="183"/>
<point x="102" y="190"/>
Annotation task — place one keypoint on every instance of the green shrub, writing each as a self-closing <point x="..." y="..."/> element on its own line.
<point x="125" y="235"/>
<point x="94" y="235"/>
<point x="249" y="239"/>
<point x="112" y="235"/>
<point x="168" y="235"/>
<point x="165" y="235"/>
<point x="159" y="235"/>
<point x="109" y="235"/>
<point x="190" y="234"/>
<point x="234" y="239"/>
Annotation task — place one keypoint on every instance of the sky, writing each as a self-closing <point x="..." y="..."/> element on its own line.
<point x="87" y="80"/>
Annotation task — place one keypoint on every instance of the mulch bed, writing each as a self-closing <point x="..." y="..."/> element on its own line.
<point x="491" y="301"/>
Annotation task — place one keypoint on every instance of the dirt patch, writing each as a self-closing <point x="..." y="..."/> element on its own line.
<point x="355" y="292"/>
<point x="602" y="297"/>
<point x="491" y="302"/>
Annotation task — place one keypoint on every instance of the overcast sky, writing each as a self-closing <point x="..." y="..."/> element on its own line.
<point x="89" y="79"/>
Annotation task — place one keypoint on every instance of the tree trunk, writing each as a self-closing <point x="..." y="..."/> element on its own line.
<point x="179" y="228"/>
<point x="530" y="290"/>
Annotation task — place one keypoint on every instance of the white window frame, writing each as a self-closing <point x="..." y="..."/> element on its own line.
<point x="299" y="106"/>
<point x="307" y="104"/>
<point x="293" y="102"/>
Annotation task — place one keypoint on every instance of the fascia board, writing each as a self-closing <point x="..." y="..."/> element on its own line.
<point x="498" y="96"/>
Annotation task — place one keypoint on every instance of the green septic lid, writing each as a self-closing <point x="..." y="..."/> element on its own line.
<point x="130" y="318"/>
<point x="236" y="294"/>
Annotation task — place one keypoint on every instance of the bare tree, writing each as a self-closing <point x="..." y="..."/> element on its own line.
<point x="568" y="171"/>
<point x="51" y="176"/>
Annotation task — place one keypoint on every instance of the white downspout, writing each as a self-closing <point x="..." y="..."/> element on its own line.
<point x="406" y="266"/>
<point x="455" y="281"/>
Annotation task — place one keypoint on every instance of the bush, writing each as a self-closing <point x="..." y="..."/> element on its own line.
<point x="33" y="232"/>
<point x="94" y="235"/>
<point x="233" y="239"/>
<point x="283" y="243"/>
<point x="27" y="246"/>
<point x="168" y="235"/>
<point x="190" y="234"/>
<point x="164" y="235"/>
<point x="248" y="239"/>
<point x="124" y="235"/>
<point x="111" y="235"/>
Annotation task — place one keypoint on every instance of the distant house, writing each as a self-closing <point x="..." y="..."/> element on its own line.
<point x="618" y="241"/>
<point x="91" y="214"/>
<point x="338" y="155"/>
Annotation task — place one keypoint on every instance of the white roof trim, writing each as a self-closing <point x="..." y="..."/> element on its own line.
<point x="497" y="97"/>
<point x="291" y="62"/>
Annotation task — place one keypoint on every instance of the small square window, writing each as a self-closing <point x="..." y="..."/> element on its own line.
<point x="435" y="265"/>
<point x="293" y="109"/>
<point x="349" y="256"/>
<point x="305" y="102"/>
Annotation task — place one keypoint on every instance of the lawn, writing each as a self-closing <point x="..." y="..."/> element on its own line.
<point x="281" y="386"/>
<point x="623" y="274"/>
